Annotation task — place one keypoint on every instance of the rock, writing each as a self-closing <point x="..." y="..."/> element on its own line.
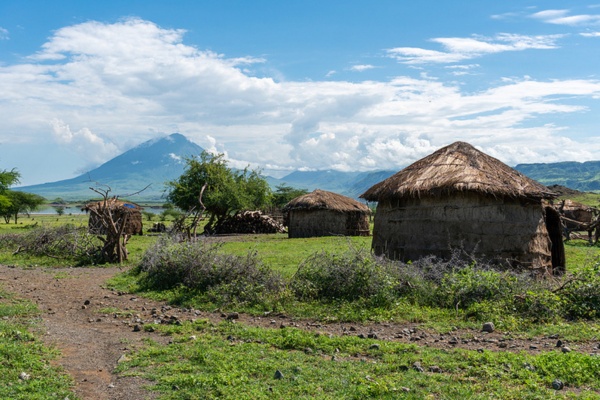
<point x="488" y="327"/>
<point x="86" y="303"/>
<point x="233" y="315"/>
<point x="417" y="367"/>
<point x="24" y="376"/>
<point x="122" y="359"/>
<point x="557" y="384"/>
<point x="137" y="328"/>
<point x="374" y="346"/>
<point x="435" y="369"/>
<point x="559" y="343"/>
<point x="278" y="375"/>
<point x="405" y="389"/>
<point x="565" y="349"/>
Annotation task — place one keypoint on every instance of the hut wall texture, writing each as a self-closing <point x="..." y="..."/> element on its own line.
<point x="489" y="227"/>
<point x="134" y="224"/>
<point x="312" y="223"/>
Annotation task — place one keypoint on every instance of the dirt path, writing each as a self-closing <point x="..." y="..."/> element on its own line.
<point x="77" y="319"/>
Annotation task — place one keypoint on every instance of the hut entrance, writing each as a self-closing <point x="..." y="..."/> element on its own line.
<point x="554" y="228"/>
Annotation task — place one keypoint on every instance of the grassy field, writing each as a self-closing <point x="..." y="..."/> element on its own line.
<point x="234" y="361"/>
<point x="25" y="369"/>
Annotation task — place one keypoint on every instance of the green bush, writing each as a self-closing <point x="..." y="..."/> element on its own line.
<point x="581" y="294"/>
<point x="222" y="278"/>
<point x="349" y="276"/>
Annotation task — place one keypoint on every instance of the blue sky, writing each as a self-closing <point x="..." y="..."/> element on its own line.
<point x="285" y="85"/>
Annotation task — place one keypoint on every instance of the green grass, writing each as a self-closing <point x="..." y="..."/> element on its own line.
<point x="22" y="352"/>
<point x="284" y="254"/>
<point x="230" y="361"/>
<point x="235" y="361"/>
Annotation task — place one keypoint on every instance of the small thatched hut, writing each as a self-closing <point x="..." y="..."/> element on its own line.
<point x="323" y="213"/>
<point x="120" y="211"/>
<point x="461" y="198"/>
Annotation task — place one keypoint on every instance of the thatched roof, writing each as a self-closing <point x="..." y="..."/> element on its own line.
<point x="112" y="204"/>
<point x="324" y="200"/>
<point x="458" y="167"/>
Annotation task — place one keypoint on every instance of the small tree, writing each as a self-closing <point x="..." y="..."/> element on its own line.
<point x="114" y="220"/>
<point x="20" y="203"/>
<point x="208" y="184"/>
<point x="284" y="194"/>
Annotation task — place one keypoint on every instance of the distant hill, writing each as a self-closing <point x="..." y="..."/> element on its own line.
<point x="160" y="160"/>
<point x="151" y="163"/>
<point x="582" y="176"/>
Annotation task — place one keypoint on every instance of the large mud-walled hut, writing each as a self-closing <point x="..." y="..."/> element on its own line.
<point x="323" y="213"/>
<point x="459" y="198"/>
<point x="119" y="211"/>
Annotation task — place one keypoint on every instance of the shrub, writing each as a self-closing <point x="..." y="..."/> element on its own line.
<point x="349" y="276"/>
<point x="222" y="278"/>
<point x="65" y="242"/>
<point x="581" y="294"/>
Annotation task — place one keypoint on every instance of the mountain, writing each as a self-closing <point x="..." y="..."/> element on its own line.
<point x="160" y="160"/>
<point x="582" y="176"/>
<point x="151" y="163"/>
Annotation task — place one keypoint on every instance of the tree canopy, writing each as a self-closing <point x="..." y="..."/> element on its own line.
<point x="18" y="203"/>
<point x="226" y="190"/>
<point x="284" y="194"/>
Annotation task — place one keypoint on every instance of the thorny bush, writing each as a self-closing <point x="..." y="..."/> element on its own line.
<point x="66" y="242"/>
<point x="223" y="278"/>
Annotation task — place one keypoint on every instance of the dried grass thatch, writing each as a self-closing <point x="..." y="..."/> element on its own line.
<point x="324" y="200"/>
<point x="323" y="213"/>
<point x="119" y="209"/>
<point x="461" y="198"/>
<point x="458" y="167"/>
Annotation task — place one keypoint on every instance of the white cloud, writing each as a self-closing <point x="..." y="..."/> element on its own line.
<point x="361" y="68"/>
<point x="83" y="142"/>
<point x="3" y="33"/>
<point x="123" y="83"/>
<point x="590" y="34"/>
<point x="562" y="17"/>
<point x="459" y="49"/>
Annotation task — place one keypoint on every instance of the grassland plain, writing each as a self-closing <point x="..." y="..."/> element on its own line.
<point x="311" y="349"/>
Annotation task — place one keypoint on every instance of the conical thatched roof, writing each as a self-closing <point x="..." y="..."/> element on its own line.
<point x="324" y="200"/>
<point x="458" y="167"/>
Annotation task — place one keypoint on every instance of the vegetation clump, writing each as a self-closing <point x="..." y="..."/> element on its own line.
<point x="222" y="278"/>
<point x="65" y="242"/>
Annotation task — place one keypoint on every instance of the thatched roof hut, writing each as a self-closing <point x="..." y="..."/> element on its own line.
<point x="459" y="197"/>
<point x="120" y="211"/>
<point x="323" y="213"/>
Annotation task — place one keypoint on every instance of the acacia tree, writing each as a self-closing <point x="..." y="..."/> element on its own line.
<point x="7" y="179"/>
<point x="208" y="184"/>
<point x="19" y="203"/>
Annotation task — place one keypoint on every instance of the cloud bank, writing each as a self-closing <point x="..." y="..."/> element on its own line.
<point x="98" y="88"/>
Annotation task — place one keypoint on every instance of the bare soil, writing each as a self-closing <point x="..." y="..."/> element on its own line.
<point x="79" y="318"/>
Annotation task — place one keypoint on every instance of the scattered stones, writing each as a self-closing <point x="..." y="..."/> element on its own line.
<point x="557" y="384"/>
<point x="278" y="375"/>
<point x="488" y="327"/>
